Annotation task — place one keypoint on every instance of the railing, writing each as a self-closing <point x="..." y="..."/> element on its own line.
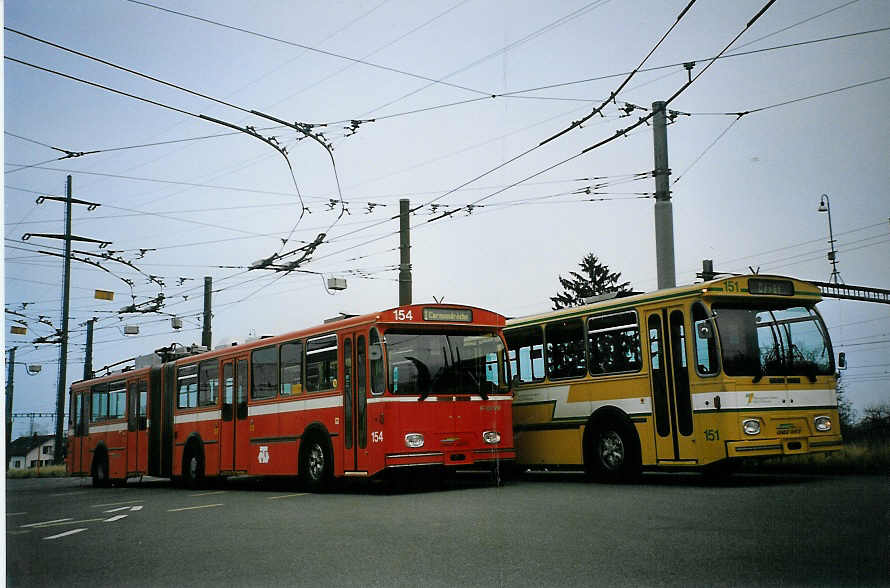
<point x="850" y="292"/>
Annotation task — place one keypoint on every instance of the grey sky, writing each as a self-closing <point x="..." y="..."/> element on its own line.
<point x="750" y="200"/>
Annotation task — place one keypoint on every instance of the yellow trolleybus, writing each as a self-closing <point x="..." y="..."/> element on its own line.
<point x="688" y="377"/>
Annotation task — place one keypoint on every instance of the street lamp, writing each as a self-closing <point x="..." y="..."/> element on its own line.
<point x="825" y="206"/>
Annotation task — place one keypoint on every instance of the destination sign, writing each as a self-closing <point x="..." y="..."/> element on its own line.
<point x="448" y="315"/>
<point x="770" y="287"/>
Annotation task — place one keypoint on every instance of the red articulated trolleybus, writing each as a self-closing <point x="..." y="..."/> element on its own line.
<point x="420" y="385"/>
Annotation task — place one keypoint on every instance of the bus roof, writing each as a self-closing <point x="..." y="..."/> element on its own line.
<point x="769" y="287"/>
<point x="439" y="315"/>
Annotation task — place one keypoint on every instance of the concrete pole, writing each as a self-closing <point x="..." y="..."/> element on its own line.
<point x="206" y="333"/>
<point x="405" y="283"/>
<point x="664" y="214"/>
<point x="88" y="361"/>
<point x="59" y="449"/>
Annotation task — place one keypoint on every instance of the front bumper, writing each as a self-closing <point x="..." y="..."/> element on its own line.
<point x="784" y="446"/>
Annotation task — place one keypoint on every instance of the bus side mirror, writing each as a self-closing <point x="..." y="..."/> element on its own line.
<point x="374" y="352"/>
<point x="841" y="361"/>
<point x="703" y="329"/>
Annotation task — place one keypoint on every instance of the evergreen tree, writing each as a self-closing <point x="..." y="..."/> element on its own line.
<point x="594" y="279"/>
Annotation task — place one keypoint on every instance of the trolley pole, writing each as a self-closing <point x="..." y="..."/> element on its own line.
<point x="206" y="333"/>
<point x="404" y="253"/>
<point x="664" y="213"/>
<point x="10" y="372"/>
<point x="59" y="449"/>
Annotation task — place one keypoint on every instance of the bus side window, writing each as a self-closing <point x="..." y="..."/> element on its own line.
<point x="79" y="402"/>
<point x="117" y="400"/>
<point x="142" y="422"/>
<point x="291" y="379"/>
<point x="208" y="383"/>
<point x="659" y="382"/>
<point x="99" y="403"/>
<point x="706" y="357"/>
<point x="527" y="348"/>
<point x="375" y="354"/>
<point x="565" y="349"/>
<point x="614" y="343"/>
<point x="187" y="384"/>
<point x="321" y="363"/>
<point x="264" y="373"/>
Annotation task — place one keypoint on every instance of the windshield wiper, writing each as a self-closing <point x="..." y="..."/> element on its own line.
<point x="424" y="381"/>
<point x="759" y="375"/>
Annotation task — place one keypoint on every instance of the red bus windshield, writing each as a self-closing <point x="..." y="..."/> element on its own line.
<point x="445" y="362"/>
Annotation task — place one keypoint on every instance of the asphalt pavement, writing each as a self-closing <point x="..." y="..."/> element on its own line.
<point x="540" y="530"/>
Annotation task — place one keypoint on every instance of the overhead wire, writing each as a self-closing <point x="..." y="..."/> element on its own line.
<point x="303" y="46"/>
<point x="247" y="130"/>
<point x="574" y="125"/>
<point x="619" y="133"/>
<point x="558" y="22"/>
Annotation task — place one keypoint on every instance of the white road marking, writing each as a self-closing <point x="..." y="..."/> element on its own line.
<point x="65" y="534"/>
<point x="136" y="507"/>
<point x="208" y="493"/>
<point x="15" y="514"/>
<point x="193" y="507"/>
<point x="286" y="496"/>
<point x="117" y="503"/>
<point x="119" y="508"/>
<point x="71" y="493"/>
<point x="64" y="522"/>
<point x="116" y="518"/>
<point x="47" y="522"/>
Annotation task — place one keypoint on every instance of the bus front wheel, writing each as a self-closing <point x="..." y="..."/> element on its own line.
<point x="315" y="464"/>
<point x="612" y="453"/>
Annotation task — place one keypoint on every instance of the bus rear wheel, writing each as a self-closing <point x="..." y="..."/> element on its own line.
<point x="100" y="472"/>
<point x="612" y="453"/>
<point x="193" y="469"/>
<point x="315" y="464"/>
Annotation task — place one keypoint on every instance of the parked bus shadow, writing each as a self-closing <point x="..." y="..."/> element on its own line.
<point x="688" y="479"/>
<point x="429" y="481"/>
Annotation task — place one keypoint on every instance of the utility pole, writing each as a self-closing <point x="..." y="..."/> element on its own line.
<point x="10" y="373"/>
<point x="206" y="333"/>
<point x="664" y="214"/>
<point x="63" y="346"/>
<point x="88" y="361"/>
<point x="404" y="253"/>
<point x="66" y="295"/>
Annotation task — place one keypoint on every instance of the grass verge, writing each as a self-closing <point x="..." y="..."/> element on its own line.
<point x="55" y="471"/>
<point x="854" y="458"/>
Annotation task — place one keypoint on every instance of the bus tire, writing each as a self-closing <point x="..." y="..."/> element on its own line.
<point x="193" y="467"/>
<point x="612" y="450"/>
<point x="316" y="464"/>
<point x="99" y="470"/>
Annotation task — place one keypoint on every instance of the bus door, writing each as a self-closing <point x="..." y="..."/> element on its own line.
<point x="234" y="440"/>
<point x="81" y="415"/>
<point x="670" y="376"/>
<point x="137" y="427"/>
<point x="355" y="403"/>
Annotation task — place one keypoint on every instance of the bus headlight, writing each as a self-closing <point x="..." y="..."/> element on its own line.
<point x="823" y="423"/>
<point x="751" y="426"/>
<point x="491" y="437"/>
<point x="413" y="440"/>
